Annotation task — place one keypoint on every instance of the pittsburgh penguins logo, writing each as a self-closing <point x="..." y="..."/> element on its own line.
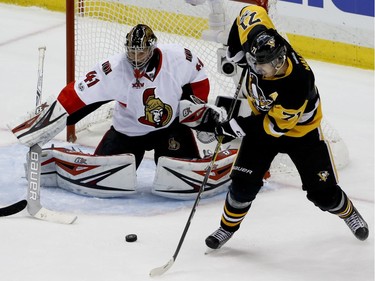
<point x="157" y="113"/>
<point x="257" y="96"/>
<point x="323" y="175"/>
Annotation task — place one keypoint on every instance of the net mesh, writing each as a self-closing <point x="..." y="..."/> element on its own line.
<point x="100" y="28"/>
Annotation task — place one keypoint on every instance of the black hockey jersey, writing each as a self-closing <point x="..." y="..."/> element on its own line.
<point x="290" y="102"/>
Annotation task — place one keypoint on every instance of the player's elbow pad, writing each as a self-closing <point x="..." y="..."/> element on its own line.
<point x="41" y="125"/>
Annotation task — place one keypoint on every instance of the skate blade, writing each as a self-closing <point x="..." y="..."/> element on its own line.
<point x="209" y="251"/>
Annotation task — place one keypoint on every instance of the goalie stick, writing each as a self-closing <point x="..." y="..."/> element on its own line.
<point x="34" y="207"/>
<point x="20" y="205"/>
<point x="162" y="269"/>
<point x="39" y="85"/>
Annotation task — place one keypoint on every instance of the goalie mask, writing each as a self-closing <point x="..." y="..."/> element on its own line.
<point x="267" y="53"/>
<point x="140" y="45"/>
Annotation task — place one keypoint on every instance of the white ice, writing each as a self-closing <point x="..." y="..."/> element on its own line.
<point x="283" y="238"/>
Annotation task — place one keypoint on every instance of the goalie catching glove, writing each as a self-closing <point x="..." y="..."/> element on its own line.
<point x="41" y="125"/>
<point x="229" y="130"/>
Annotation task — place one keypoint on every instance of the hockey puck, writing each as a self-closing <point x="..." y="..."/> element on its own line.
<point x="131" y="238"/>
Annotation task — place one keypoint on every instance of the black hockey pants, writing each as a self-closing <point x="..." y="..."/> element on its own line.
<point x="311" y="156"/>
<point x="177" y="140"/>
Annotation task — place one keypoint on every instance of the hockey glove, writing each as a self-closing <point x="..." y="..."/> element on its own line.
<point x="217" y="114"/>
<point x="202" y="117"/>
<point x="229" y="130"/>
<point x="40" y="125"/>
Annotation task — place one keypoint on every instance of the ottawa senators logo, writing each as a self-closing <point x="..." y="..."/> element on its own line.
<point x="173" y="144"/>
<point x="157" y="113"/>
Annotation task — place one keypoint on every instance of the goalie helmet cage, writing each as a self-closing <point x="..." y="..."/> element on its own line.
<point x="96" y="29"/>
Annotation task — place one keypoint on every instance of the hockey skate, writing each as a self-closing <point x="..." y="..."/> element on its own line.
<point x="357" y="225"/>
<point x="218" y="238"/>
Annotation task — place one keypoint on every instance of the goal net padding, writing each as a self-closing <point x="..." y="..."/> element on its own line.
<point x="97" y="30"/>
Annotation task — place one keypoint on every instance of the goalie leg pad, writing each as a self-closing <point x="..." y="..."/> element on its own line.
<point x="90" y="175"/>
<point x="181" y="179"/>
<point x="48" y="169"/>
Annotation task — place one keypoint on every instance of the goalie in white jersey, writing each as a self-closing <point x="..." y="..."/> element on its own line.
<point x="148" y="82"/>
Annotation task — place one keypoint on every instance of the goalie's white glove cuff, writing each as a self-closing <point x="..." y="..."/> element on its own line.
<point x="41" y="125"/>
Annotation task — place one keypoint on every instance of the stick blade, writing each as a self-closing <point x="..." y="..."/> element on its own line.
<point x="162" y="269"/>
<point x="52" y="216"/>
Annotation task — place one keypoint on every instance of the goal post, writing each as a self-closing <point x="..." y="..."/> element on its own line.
<point x="70" y="58"/>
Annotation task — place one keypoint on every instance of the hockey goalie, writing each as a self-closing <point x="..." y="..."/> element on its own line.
<point x="151" y="84"/>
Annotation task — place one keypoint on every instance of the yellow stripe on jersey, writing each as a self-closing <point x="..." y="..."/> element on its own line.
<point x="285" y="119"/>
<point x="250" y="17"/>
<point x="280" y="121"/>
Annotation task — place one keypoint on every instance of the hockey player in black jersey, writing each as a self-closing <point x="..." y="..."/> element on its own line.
<point x="286" y="117"/>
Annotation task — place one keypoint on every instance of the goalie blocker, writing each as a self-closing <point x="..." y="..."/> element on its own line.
<point x="115" y="176"/>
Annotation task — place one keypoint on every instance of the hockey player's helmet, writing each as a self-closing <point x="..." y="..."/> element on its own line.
<point x="267" y="46"/>
<point x="140" y="44"/>
<point x="267" y="50"/>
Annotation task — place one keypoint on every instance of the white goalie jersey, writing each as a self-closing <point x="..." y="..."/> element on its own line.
<point x="144" y="104"/>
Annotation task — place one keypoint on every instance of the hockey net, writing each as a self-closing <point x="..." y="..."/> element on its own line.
<point x="96" y="29"/>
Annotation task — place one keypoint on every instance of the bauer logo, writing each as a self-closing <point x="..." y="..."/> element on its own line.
<point x="358" y="7"/>
<point x="33" y="177"/>
<point x="242" y="170"/>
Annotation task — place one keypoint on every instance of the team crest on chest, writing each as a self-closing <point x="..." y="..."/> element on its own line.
<point x="157" y="113"/>
<point x="257" y="96"/>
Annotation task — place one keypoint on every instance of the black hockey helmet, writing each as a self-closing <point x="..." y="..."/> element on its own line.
<point x="266" y="47"/>
<point x="140" y="44"/>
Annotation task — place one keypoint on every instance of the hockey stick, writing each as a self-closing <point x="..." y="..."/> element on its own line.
<point x="13" y="209"/>
<point x="20" y="205"/>
<point x="162" y="269"/>
<point x="34" y="207"/>
<point x="39" y="85"/>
